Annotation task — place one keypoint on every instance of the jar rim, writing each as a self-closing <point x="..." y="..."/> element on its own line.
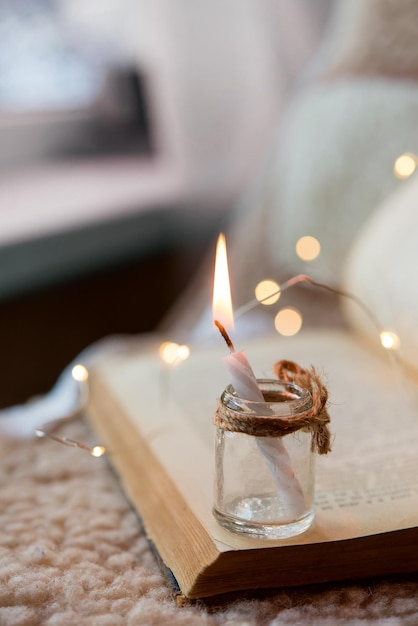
<point x="294" y="400"/>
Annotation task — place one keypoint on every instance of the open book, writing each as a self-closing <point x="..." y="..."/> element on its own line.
<point x="156" y="421"/>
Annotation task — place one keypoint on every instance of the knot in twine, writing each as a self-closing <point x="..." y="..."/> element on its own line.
<point x="314" y="419"/>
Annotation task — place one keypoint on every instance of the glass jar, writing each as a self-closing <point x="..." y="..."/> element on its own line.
<point x="264" y="485"/>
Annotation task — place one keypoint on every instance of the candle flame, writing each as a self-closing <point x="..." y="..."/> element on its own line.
<point x="222" y="302"/>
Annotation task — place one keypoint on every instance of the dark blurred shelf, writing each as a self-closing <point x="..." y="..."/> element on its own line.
<point x="43" y="330"/>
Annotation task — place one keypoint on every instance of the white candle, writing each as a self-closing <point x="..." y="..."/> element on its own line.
<point x="245" y="384"/>
<point x="242" y="376"/>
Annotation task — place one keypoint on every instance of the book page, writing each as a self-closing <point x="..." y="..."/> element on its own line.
<point x="366" y="485"/>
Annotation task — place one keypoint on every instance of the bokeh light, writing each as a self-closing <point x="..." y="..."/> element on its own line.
<point x="98" y="451"/>
<point x="183" y="352"/>
<point x="79" y="373"/>
<point x="264" y="290"/>
<point x="288" y="321"/>
<point x="405" y="165"/>
<point x="171" y="353"/>
<point x="389" y="340"/>
<point x="308" y="248"/>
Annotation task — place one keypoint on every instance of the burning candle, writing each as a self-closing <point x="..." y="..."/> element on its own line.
<point x="245" y="384"/>
<point x="240" y="371"/>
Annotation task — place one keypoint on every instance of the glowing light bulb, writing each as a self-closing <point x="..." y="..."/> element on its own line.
<point x="267" y="292"/>
<point x="288" y="321"/>
<point x="98" y="451"/>
<point x="405" y="165"/>
<point x="389" y="340"/>
<point x="308" y="248"/>
<point x="79" y="373"/>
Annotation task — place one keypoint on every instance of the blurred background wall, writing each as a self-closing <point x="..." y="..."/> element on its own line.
<point x="129" y="131"/>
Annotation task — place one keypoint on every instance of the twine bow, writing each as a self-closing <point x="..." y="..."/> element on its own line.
<point x="315" y="419"/>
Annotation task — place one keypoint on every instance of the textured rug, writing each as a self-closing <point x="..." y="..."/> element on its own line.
<point x="72" y="553"/>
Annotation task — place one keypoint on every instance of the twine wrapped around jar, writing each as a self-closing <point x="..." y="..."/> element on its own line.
<point x="315" y="419"/>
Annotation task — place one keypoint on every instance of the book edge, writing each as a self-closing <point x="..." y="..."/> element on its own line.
<point x="205" y="553"/>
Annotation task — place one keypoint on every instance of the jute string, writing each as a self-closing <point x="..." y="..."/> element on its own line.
<point x="315" y="419"/>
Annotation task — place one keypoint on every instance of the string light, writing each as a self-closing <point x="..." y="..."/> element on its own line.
<point x="172" y="354"/>
<point x="183" y="352"/>
<point x="308" y="248"/>
<point x="267" y="292"/>
<point x="304" y="278"/>
<point x="405" y="165"/>
<point x="169" y="351"/>
<point x="389" y="340"/>
<point x="79" y="373"/>
<point x="98" y="451"/>
<point x="288" y="321"/>
<point x="47" y="432"/>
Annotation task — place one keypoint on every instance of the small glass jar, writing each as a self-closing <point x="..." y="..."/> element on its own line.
<point x="264" y="485"/>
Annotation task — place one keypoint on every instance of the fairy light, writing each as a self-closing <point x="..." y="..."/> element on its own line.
<point x="79" y="373"/>
<point x="47" y="432"/>
<point x="168" y="351"/>
<point x="183" y="352"/>
<point x="405" y="165"/>
<point x="267" y="292"/>
<point x="389" y="340"/>
<point x="172" y="353"/>
<point x="98" y="451"/>
<point x="288" y="321"/>
<point x="308" y="248"/>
